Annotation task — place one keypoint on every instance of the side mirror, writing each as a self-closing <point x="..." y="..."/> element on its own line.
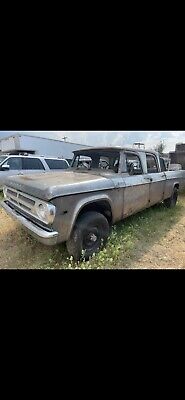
<point x="5" y="168"/>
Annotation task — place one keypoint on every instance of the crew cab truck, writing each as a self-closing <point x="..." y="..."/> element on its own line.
<point x="80" y="205"/>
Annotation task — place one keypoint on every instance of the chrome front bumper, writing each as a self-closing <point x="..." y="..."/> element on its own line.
<point x="48" y="238"/>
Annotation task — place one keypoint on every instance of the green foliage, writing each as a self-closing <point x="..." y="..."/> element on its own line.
<point x="160" y="147"/>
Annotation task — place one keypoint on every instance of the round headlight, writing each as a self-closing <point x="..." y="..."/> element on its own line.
<point x="42" y="212"/>
<point x="46" y="212"/>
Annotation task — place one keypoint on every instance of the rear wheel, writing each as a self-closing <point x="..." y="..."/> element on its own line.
<point x="89" y="235"/>
<point x="171" y="201"/>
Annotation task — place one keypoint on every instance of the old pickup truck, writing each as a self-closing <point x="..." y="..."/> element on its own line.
<point x="79" y="206"/>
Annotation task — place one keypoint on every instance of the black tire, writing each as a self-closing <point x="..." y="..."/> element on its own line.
<point x="89" y="235"/>
<point x="171" y="201"/>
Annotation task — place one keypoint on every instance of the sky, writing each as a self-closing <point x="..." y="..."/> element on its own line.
<point x="110" y="138"/>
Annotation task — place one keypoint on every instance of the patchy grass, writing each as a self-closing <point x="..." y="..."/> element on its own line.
<point x="135" y="235"/>
<point x="129" y="240"/>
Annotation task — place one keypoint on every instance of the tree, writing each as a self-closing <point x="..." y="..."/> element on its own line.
<point x="160" y="147"/>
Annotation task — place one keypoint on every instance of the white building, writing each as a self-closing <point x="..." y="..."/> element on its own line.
<point x="20" y="143"/>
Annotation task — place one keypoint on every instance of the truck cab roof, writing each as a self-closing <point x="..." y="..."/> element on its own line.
<point x="113" y="149"/>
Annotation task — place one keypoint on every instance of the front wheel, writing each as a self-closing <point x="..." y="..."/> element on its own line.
<point x="89" y="235"/>
<point x="171" y="201"/>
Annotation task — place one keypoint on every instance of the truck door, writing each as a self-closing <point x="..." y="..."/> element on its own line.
<point x="136" y="190"/>
<point x="156" y="179"/>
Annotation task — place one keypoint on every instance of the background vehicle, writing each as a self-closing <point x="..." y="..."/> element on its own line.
<point x="17" y="164"/>
<point x="175" y="167"/>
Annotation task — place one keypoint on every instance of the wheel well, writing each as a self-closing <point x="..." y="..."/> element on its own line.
<point x="102" y="207"/>
<point x="176" y="185"/>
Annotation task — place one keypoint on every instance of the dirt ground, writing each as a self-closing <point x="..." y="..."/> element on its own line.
<point x="169" y="252"/>
<point x="19" y="250"/>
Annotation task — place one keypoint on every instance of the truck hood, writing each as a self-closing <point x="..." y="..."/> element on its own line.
<point x="55" y="184"/>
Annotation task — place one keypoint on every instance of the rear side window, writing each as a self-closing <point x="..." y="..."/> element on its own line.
<point x="32" y="163"/>
<point x="151" y="163"/>
<point x="56" y="164"/>
<point x="15" y="163"/>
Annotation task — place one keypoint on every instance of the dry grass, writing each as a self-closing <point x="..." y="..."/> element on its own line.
<point x="152" y="238"/>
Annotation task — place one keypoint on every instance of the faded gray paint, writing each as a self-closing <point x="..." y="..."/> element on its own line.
<point x="71" y="190"/>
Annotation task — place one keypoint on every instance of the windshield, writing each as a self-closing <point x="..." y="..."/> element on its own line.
<point x="2" y="158"/>
<point x="96" y="160"/>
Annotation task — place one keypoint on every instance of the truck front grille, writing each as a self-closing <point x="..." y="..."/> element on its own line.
<point x="27" y="204"/>
<point x="24" y="201"/>
<point x="29" y="217"/>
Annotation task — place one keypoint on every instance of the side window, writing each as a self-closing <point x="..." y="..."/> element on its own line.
<point x="32" y="163"/>
<point x="15" y="163"/>
<point x="133" y="164"/>
<point x="110" y="163"/>
<point x="162" y="164"/>
<point x="56" y="164"/>
<point x="151" y="163"/>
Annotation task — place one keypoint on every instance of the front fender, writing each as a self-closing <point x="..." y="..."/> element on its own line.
<point x="84" y="202"/>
